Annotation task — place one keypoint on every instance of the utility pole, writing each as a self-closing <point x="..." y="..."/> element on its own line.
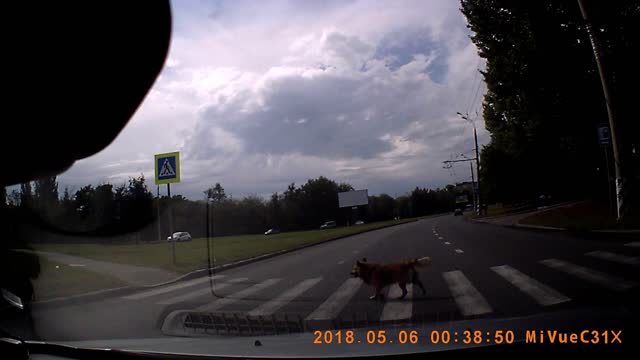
<point x="473" y="185"/>
<point x="616" y="138"/>
<point x="475" y="139"/>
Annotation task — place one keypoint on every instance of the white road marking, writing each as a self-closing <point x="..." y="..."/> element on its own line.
<point x="633" y="244"/>
<point x="459" y="251"/>
<point x="330" y="308"/>
<point x="272" y="306"/>
<point x="447" y="243"/>
<point x="468" y="298"/>
<point x="622" y="259"/>
<point x="440" y="238"/>
<point x="340" y="262"/>
<point x="356" y="251"/>
<point x="166" y="289"/>
<point x="217" y="304"/>
<point x="540" y="292"/>
<point x="193" y="294"/>
<point x="397" y="309"/>
<point x="594" y="276"/>
<point x="77" y="265"/>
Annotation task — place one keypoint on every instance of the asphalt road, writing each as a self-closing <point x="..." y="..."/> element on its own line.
<point x="478" y="271"/>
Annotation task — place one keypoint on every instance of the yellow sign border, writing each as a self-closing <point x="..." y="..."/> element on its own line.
<point x="175" y="154"/>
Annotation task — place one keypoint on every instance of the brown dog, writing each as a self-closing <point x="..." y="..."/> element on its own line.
<point x="381" y="275"/>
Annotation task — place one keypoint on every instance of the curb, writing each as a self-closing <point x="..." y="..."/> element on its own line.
<point x="85" y="296"/>
<point x="201" y="272"/>
<point x="538" y="227"/>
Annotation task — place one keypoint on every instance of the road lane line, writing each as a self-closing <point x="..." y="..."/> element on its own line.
<point x="330" y="308"/>
<point x="622" y="259"/>
<point x="440" y="238"/>
<point x="468" y="298"/>
<point x="600" y="278"/>
<point x="238" y="280"/>
<point x="541" y="293"/>
<point x="398" y="309"/>
<point x="356" y="251"/>
<point x="459" y="251"/>
<point x="232" y="298"/>
<point x="274" y="305"/>
<point x="633" y="244"/>
<point x="340" y="262"/>
<point x="166" y="289"/>
<point x="447" y="243"/>
<point x="193" y="294"/>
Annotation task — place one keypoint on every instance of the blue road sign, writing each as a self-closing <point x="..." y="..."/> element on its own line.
<point x="167" y="168"/>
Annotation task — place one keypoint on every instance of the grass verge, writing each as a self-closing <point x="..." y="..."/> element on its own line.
<point x="583" y="216"/>
<point x="192" y="255"/>
<point x="59" y="280"/>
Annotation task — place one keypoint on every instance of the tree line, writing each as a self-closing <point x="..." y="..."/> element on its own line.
<point x="130" y="212"/>
<point x="544" y="101"/>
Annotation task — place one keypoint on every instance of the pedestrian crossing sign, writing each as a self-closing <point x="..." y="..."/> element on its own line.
<point x="167" y="168"/>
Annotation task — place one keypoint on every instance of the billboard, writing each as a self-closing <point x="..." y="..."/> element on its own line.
<point x="353" y="198"/>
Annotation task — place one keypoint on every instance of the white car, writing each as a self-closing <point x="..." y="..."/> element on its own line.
<point x="180" y="236"/>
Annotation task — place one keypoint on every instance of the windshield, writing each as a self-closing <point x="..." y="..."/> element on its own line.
<point x="486" y="150"/>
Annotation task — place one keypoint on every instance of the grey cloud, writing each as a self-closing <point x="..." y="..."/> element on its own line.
<point x="399" y="48"/>
<point x="333" y="114"/>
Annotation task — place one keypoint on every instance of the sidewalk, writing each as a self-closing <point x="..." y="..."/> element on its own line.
<point x="514" y="219"/>
<point x="130" y="274"/>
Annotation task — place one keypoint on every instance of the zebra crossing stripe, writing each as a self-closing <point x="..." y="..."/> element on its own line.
<point x="540" y="292"/>
<point x="622" y="259"/>
<point x="193" y="294"/>
<point x="272" y="306"/>
<point x="217" y="304"/>
<point x="166" y="289"/>
<point x="397" y="309"/>
<point x="600" y="278"/>
<point x="330" y="308"/>
<point x="468" y="298"/>
<point x="633" y="244"/>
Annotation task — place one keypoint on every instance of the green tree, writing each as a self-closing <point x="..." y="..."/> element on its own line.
<point x="544" y="98"/>
<point x="216" y="193"/>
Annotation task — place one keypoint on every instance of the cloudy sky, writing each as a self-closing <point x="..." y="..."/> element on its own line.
<point x="258" y="94"/>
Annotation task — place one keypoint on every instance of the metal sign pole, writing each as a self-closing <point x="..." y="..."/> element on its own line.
<point x="173" y="241"/>
<point x="606" y="161"/>
<point x="158" y="213"/>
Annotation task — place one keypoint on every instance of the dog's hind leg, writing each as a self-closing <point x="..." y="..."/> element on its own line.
<point x="416" y="281"/>
<point x="403" y="286"/>
<point x="378" y="294"/>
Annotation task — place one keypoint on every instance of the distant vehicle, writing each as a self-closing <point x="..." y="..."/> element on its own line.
<point x="328" y="225"/>
<point x="359" y="222"/>
<point x="271" y="231"/>
<point x="457" y="212"/>
<point x="180" y="236"/>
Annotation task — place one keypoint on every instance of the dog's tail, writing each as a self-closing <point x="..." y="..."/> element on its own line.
<point x="422" y="262"/>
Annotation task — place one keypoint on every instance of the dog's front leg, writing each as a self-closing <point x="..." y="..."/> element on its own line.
<point x="378" y="294"/>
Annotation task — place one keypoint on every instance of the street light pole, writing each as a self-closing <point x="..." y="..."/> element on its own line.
<point x="478" y="197"/>
<point x="475" y="139"/>
<point x="613" y="125"/>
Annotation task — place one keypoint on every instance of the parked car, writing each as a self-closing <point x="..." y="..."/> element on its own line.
<point x="328" y="225"/>
<point x="271" y="231"/>
<point x="359" y="222"/>
<point x="180" y="236"/>
<point x="457" y="212"/>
